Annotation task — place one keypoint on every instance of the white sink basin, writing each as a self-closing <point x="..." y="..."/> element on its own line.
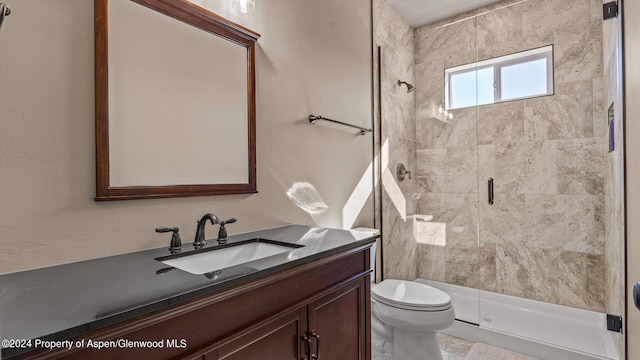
<point x="216" y="258"/>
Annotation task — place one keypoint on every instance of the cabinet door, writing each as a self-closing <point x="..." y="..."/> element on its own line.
<point x="279" y="338"/>
<point x="339" y="320"/>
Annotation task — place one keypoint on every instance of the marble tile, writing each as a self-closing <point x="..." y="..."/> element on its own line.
<point x="527" y="272"/>
<point x="610" y="77"/>
<point x="460" y="166"/>
<point x="398" y="133"/>
<point x="430" y="123"/>
<point x="503" y="222"/>
<point x="566" y="115"/>
<point x="514" y="46"/>
<point x="399" y="247"/>
<point x="453" y="348"/>
<point x="431" y="262"/>
<point x="459" y="130"/>
<point x="540" y="168"/>
<point x="433" y="204"/>
<point x="450" y="45"/>
<point x="509" y="24"/>
<point x="469" y="15"/>
<point x="430" y="233"/>
<point x="461" y="258"/>
<point x="397" y="119"/>
<point x="462" y="250"/>
<point x="455" y="57"/>
<point x="509" y="167"/>
<point x="458" y="211"/>
<point x="444" y="340"/>
<point x="501" y="122"/>
<point x="588" y="237"/>
<point x="501" y="4"/>
<point x="400" y="150"/>
<point x="581" y="166"/>
<point x="398" y="107"/>
<point x="390" y="27"/>
<point x="542" y="17"/>
<point x="582" y="283"/>
<point x="614" y="191"/>
<point x="487" y="268"/>
<point x="609" y="43"/>
<point x="454" y="40"/>
<point x="430" y="169"/>
<point x="429" y="93"/>
<point x="600" y="120"/>
<point x="578" y="52"/>
<point x="568" y="222"/>
<point x="499" y="26"/>
<point x="614" y="187"/>
<point x="462" y="274"/>
<point x="486" y="170"/>
<point x="596" y="9"/>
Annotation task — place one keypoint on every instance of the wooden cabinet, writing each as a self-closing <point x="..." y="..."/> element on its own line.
<point x="320" y="309"/>
<point x="330" y="327"/>
<point x="339" y="319"/>
<point x="275" y="339"/>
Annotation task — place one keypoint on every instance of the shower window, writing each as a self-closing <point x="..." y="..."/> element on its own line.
<point x="517" y="76"/>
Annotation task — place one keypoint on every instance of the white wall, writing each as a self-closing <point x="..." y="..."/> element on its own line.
<point x="313" y="57"/>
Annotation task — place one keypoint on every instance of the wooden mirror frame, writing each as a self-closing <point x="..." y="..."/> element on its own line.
<point x="200" y="18"/>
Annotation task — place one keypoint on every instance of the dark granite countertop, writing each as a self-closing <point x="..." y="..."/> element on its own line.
<point x="64" y="301"/>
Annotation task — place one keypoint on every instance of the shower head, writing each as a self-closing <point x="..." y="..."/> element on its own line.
<point x="410" y="88"/>
<point x="4" y="11"/>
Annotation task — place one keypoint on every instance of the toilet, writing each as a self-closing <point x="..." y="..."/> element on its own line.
<point x="406" y="318"/>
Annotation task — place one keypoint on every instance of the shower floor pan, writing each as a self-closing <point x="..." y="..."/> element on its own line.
<point x="542" y="330"/>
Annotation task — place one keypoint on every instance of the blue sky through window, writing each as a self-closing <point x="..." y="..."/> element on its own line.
<point x="524" y="79"/>
<point x="471" y="88"/>
<point x="486" y="93"/>
<point x="509" y="77"/>
<point x="463" y="89"/>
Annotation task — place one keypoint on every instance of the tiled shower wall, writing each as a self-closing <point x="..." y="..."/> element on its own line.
<point x="614" y="179"/>
<point x="544" y="238"/>
<point x="397" y="138"/>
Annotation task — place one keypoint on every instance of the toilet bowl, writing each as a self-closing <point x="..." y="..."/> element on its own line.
<point x="406" y="318"/>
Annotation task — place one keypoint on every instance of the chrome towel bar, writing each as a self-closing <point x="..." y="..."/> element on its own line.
<point x="314" y="118"/>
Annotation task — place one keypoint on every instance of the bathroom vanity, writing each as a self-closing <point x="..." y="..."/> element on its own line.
<point x="308" y="303"/>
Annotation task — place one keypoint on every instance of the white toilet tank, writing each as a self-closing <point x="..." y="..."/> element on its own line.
<point x="372" y="262"/>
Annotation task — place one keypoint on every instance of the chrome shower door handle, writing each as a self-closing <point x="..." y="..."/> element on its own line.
<point x="490" y="190"/>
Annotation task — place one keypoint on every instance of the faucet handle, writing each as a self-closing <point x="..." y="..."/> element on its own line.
<point x="222" y="234"/>
<point x="230" y="221"/>
<point x="176" y="243"/>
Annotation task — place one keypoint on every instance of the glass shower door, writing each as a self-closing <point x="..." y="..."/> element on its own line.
<point x="447" y="166"/>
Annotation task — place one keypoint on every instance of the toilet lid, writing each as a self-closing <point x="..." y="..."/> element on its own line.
<point x="411" y="295"/>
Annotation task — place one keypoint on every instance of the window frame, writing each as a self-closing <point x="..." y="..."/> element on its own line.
<point x="544" y="52"/>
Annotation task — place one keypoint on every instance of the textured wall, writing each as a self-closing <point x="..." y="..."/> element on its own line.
<point x="398" y="139"/>
<point x="544" y="237"/>
<point x="313" y="57"/>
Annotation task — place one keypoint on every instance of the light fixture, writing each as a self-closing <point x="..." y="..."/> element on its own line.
<point x="244" y="6"/>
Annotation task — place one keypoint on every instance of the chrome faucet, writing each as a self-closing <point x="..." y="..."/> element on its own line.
<point x="200" y="242"/>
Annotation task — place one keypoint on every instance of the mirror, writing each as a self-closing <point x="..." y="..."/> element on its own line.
<point x="175" y="101"/>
